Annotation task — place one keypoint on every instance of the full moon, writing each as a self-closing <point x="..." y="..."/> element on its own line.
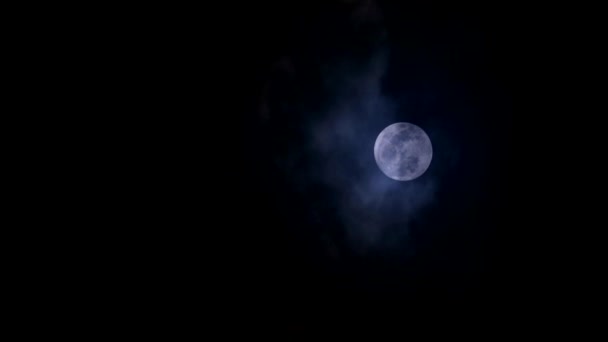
<point x="403" y="151"/>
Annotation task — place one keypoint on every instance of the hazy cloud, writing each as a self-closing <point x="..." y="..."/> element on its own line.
<point x="373" y="210"/>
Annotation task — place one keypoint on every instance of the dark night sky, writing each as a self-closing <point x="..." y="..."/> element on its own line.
<point x="217" y="170"/>
<point x="301" y="218"/>
<point x="325" y="80"/>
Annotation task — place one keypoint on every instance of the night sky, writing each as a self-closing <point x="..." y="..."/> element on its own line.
<point x="323" y="222"/>
<point x="302" y="219"/>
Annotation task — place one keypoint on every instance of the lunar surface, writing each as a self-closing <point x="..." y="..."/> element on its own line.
<point x="403" y="151"/>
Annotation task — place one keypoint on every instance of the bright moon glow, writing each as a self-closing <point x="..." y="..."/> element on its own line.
<point x="403" y="151"/>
